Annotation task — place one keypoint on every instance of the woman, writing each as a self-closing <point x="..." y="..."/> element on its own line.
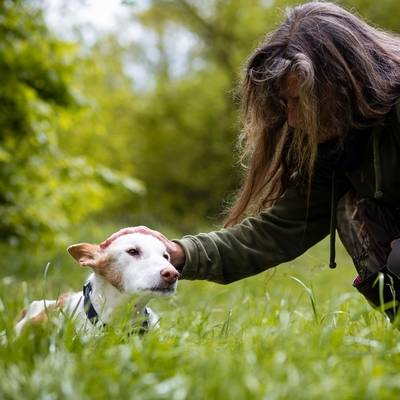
<point x="321" y="137"/>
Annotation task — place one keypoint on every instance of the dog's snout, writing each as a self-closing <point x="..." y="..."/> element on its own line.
<point x="169" y="275"/>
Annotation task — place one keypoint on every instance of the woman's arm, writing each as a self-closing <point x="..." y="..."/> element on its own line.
<point x="291" y="226"/>
<point x="283" y="232"/>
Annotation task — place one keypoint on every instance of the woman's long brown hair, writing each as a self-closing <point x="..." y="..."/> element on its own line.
<point x="349" y="76"/>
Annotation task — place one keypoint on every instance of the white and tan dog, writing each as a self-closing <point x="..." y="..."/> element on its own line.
<point x="132" y="266"/>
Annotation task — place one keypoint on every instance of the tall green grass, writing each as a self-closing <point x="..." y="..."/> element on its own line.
<point x="297" y="332"/>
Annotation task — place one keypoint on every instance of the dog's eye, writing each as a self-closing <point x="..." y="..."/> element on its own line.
<point x="133" y="252"/>
<point x="166" y="256"/>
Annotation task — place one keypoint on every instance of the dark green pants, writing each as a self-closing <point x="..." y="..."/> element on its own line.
<point x="366" y="229"/>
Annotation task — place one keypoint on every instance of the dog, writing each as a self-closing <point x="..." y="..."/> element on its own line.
<point x="134" y="267"/>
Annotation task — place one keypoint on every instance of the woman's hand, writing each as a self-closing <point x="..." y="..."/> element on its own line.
<point x="175" y="250"/>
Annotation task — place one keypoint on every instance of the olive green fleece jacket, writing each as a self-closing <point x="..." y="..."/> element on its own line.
<point x="368" y="161"/>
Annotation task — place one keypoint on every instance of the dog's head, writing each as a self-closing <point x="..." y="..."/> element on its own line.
<point x="132" y="263"/>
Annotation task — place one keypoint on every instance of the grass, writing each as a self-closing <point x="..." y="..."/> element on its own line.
<point x="298" y="332"/>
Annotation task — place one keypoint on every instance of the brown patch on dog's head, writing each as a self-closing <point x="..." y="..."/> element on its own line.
<point x="109" y="272"/>
<point x="90" y="255"/>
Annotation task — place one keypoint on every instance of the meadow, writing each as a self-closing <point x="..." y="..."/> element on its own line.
<point x="299" y="331"/>
<point x="138" y="124"/>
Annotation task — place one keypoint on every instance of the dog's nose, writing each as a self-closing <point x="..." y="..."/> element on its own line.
<point x="169" y="275"/>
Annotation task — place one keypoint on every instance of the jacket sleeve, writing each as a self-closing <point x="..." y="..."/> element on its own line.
<point x="277" y="235"/>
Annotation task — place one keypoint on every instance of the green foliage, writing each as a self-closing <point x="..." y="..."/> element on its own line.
<point x="189" y="123"/>
<point x="186" y="149"/>
<point x="43" y="190"/>
<point x="383" y="14"/>
<point x="75" y="131"/>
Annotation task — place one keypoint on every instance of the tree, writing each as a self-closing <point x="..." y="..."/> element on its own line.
<point x="43" y="190"/>
<point x="188" y="123"/>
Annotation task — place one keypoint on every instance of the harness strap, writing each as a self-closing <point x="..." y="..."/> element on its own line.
<point x="377" y="162"/>
<point x="90" y="311"/>
<point x="145" y="323"/>
<point x="93" y="316"/>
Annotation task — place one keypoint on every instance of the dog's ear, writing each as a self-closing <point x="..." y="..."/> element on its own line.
<point x="85" y="253"/>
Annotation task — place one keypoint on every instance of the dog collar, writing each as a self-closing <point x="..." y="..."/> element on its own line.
<point x="144" y="327"/>
<point x="93" y="317"/>
<point x="90" y="311"/>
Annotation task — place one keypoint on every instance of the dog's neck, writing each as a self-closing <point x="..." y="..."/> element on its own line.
<point x="105" y="298"/>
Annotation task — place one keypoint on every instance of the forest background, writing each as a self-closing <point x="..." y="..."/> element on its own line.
<point x="86" y="146"/>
